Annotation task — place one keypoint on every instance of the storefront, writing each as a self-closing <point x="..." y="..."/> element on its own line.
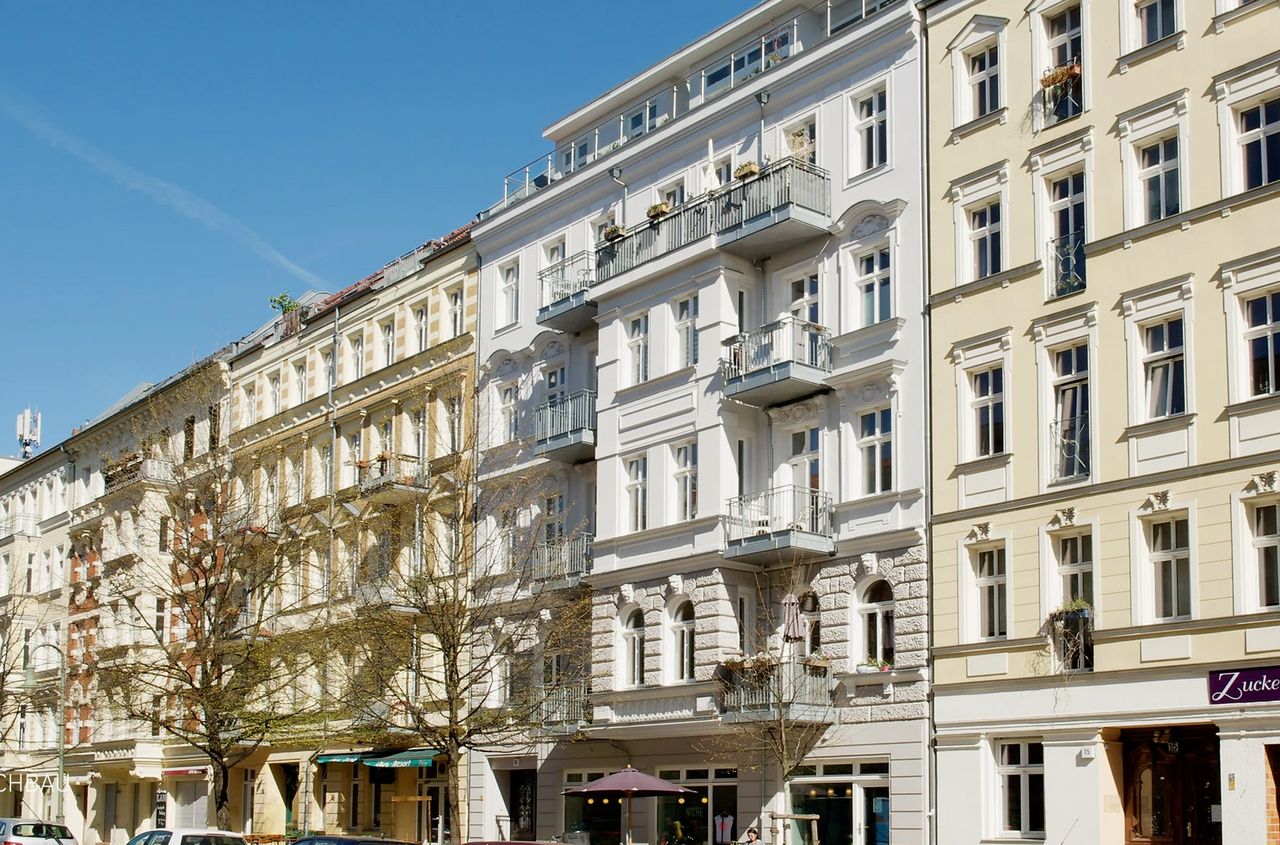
<point x="852" y="799"/>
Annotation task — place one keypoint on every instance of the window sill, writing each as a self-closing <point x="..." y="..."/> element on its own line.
<point x="1170" y="423"/>
<point x="1001" y="279"/>
<point x="885" y="331"/>
<point x="1184" y="219"/>
<point x="508" y="328"/>
<point x="893" y="676"/>
<point x="653" y="382"/>
<point x="985" y="462"/>
<point x="999" y="116"/>
<point x="1246" y="8"/>
<point x="1069" y="483"/>
<point x="1176" y="41"/>
<point x="1270" y="402"/>
<point x="871" y="173"/>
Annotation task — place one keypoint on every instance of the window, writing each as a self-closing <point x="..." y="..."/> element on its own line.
<point x="509" y="413"/>
<point x="1259" y="141"/>
<point x="453" y="423"/>
<point x="722" y="172"/>
<point x="455" y="313"/>
<point x="1266" y="541"/>
<point x="873" y="129"/>
<point x="1075" y="567"/>
<point x="805" y="463"/>
<point x="300" y="382"/>
<point x="802" y="141"/>
<point x="1070" y="431"/>
<point x="673" y="194"/>
<point x="633" y="649"/>
<point x="420" y="326"/>
<point x="1263" y="338"/>
<point x="683" y="641"/>
<point x="1157" y="19"/>
<point x="687" y="330"/>
<point x="511" y="294"/>
<point x="420" y="433"/>
<point x="984" y="80"/>
<point x="993" y="594"/>
<point x="638" y="348"/>
<point x="637" y="493"/>
<point x="250" y="405"/>
<point x="1171" y="564"/>
<point x="507" y="540"/>
<point x="1158" y="178"/>
<point x="876" y="621"/>
<point x="274" y="385"/>
<point x="686" y="481"/>
<point x="984" y="239"/>
<point x="1063" y="83"/>
<point x="356" y="344"/>
<point x="988" y="411"/>
<point x="1066" y="211"/>
<point x="189" y="438"/>
<point x="326" y="469"/>
<point x="388" y="343"/>
<point x="1021" y="770"/>
<point x="875" y="286"/>
<point x="163" y="539"/>
<point x="1164" y="369"/>
<point x="330" y="370"/>
<point x="876" y="444"/>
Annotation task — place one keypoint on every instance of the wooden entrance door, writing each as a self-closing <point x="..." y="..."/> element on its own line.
<point x="1171" y="787"/>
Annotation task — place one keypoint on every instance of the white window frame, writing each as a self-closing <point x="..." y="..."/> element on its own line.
<point x="300" y="381"/>
<point x="1158" y="10"/>
<point x="673" y="192"/>
<point x="988" y="626"/>
<point x="276" y="393"/>
<point x="880" y="148"/>
<point x="971" y="356"/>
<point x="1043" y="46"/>
<point x="508" y="412"/>
<point x="636" y="488"/>
<point x="986" y="238"/>
<point x="1242" y="281"/>
<point x="1053" y="573"/>
<point x="329" y="363"/>
<point x="631" y="648"/>
<point x="988" y="187"/>
<point x="795" y="128"/>
<point x="872" y="446"/>
<point x="685" y="312"/>
<point x="1023" y="770"/>
<point x="685" y="459"/>
<point x="509" y="293"/>
<point x="1052" y="334"/>
<point x="455" y="305"/>
<point x="1249" y="546"/>
<point x="1143" y="581"/>
<point x="637" y="335"/>
<point x="878" y="275"/>
<point x="387" y="337"/>
<point x="1159" y="302"/>
<point x="683" y="642"/>
<point x="979" y="34"/>
<point x="249" y="403"/>
<point x="1141" y="128"/>
<point x="1235" y="91"/>
<point x="355" y="354"/>
<point x="986" y="80"/>
<point x="881" y="616"/>
<point x="1158" y="559"/>
<point x="992" y="401"/>
<point x="421" y="321"/>
<point x="1050" y="163"/>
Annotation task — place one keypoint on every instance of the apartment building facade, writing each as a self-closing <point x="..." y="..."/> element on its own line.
<point x="701" y="329"/>
<point x="1102" y="284"/>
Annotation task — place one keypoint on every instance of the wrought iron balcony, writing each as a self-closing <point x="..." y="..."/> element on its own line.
<point x="564" y="707"/>
<point x="1066" y="256"/>
<point x="762" y="526"/>
<point x="786" y="202"/>
<point x="797" y="689"/>
<point x="393" y="478"/>
<point x="119" y="474"/>
<point x="566" y="300"/>
<point x="1062" y="92"/>
<point x="566" y="427"/>
<point x="563" y="561"/>
<point x="777" y="363"/>
<point x="1070" y="448"/>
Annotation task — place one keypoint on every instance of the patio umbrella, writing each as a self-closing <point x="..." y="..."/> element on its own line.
<point x="792" y="628"/>
<point x="627" y="784"/>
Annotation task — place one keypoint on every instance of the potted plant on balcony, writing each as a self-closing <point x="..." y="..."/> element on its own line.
<point x="746" y="170"/>
<point x="819" y="659"/>
<point x="1060" y="75"/>
<point x="613" y="232"/>
<point x="1071" y="611"/>
<point x="873" y="665"/>
<point x="658" y="209"/>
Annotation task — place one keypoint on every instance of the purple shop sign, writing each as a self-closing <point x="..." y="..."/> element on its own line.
<point x="1244" y="686"/>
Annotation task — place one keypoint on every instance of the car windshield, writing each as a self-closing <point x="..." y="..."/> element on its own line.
<point x="42" y="831"/>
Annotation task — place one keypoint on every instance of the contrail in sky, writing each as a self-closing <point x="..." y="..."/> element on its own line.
<point x="165" y="193"/>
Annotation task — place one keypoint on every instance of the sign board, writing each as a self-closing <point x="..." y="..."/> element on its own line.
<point x="1244" y="686"/>
<point x="162" y="808"/>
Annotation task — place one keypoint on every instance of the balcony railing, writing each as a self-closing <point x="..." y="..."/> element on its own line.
<point x="797" y="688"/>
<point x="713" y="79"/>
<point x="783" y="183"/>
<point x="789" y="340"/>
<point x="393" y="469"/>
<point x="566" y="559"/>
<point x="22" y="523"/>
<point x="1062" y="92"/>
<point x="565" y="278"/>
<point x="789" y="508"/>
<point x="1070" y="440"/>
<point x="563" y="416"/>
<point x="1066" y="254"/>
<point x="565" y="704"/>
<point x="139" y="469"/>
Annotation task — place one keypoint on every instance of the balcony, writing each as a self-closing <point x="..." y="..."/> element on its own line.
<point x="564" y="708"/>
<point x="763" y="527"/>
<point x="119" y="474"/>
<point x="563" y="562"/>
<point x="777" y="363"/>
<point x="566" y="428"/>
<point x="786" y="203"/>
<point x="1066" y="264"/>
<point x="393" y="479"/>
<point x="1062" y="92"/>
<point x="22" y="524"/>
<point x="566" y="304"/>
<point x="1069" y="439"/>
<point x="798" y="689"/>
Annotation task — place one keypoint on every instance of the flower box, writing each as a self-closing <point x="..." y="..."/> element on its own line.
<point x="658" y="209"/>
<point x="746" y="170"/>
<point x="614" y="233"/>
<point x="1060" y="75"/>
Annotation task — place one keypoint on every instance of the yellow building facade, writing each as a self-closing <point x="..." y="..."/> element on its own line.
<point x="1104" y="297"/>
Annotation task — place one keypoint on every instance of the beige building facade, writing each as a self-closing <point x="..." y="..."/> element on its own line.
<point x="1104" y="289"/>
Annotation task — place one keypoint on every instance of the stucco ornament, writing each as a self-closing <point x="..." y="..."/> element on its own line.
<point x="871" y="224"/>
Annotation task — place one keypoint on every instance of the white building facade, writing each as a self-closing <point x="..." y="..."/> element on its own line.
<point x="701" y="323"/>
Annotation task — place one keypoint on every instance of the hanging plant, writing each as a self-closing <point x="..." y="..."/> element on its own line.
<point x="1060" y="75"/>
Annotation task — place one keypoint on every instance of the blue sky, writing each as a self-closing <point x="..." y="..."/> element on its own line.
<point x="167" y="167"/>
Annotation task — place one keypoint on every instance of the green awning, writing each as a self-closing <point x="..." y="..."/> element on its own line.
<point x="340" y="757"/>
<point x="420" y="757"/>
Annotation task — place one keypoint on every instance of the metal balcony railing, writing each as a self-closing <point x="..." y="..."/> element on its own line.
<point x="786" y="182"/>
<point x="562" y="559"/>
<point x="781" y="686"/>
<point x="789" y="508"/>
<point x="565" y="415"/>
<point x="565" y="278"/>
<point x="138" y="469"/>
<point x="21" y="523"/>
<point x="403" y="469"/>
<point x="1066" y="256"/>
<point x="565" y="703"/>
<point x="789" y="340"/>
<point x="1070" y="443"/>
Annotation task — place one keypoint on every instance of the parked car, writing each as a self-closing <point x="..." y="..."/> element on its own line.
<point x="34" y="832"/>
<point x="335" y="839"/>
<point x="186" y="836"/>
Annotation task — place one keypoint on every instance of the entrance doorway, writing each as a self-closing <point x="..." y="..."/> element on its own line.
<point x="1172" y="786"/>
<point x="522" y="804"/>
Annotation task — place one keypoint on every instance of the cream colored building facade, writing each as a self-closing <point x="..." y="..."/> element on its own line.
<point x="1106" y="418"/>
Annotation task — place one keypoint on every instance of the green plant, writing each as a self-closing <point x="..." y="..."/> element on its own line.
<point x="1073" y="609"/>
<point x="613" y="232"/>
<point x="284" y="303"/>
<point x="658" y="209"/>
<point x="746" y="169"/>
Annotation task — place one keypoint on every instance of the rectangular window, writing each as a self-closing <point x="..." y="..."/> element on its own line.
<point x="326" y="469"/>
<point x="802" y="141"/>
<point x="420" y="433"/>
<point x="673" y="194"/>
<point x="420" y="327"/>
<point x="1075" y="566"/>
<point x="330" y="370"/>
<point x="1158" y="178"/>
<point x="1063" y="94"/>
<point x="163" y="539"/>
<point x="453" y="423"/>
<point x="993" y="597"/>
<point x="1263" y="338"/>
<point x="984" y="238"/>
<point x="250" y="404"/>
<point x="1070" y="433"/>
<point x="215" y="426"/>
<point x="509" y="414"/>
<point x="388" y="343"/>
<point x="1266" y="540"/>
<point x="1066" y="210"/>
<point x="984" y="80"/>
<point x="988" y="411"/>
<point x="356" y="345"/>
<point x="189" y="438"/>
<point x="300" y="382"/>
<point x="1164" y="368"/>
<point x="1259" y="141"/>
<point x="1171" y="563"/>
<point x="638" y="493"/>
<point x="1157" y="19"/>
<point x="875" y="441"/>
<point x="455" y="313"/>
<point x="687" y="330"/>
<point x="1021" y="770"/>
<point x="873" y="129"/>
<point x="638" y="348"/>
<point x="686" y="481"/>
<point x="511" y="294"/>
<point x="875" y="286"/>
<point x="274" y="385"/>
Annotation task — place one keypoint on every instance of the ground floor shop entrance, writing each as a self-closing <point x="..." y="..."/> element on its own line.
<point x="1172" y="788"/>
<point x="851" y="799"/>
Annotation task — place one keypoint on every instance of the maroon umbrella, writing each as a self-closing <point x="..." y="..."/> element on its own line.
<point x="628" y="783"/>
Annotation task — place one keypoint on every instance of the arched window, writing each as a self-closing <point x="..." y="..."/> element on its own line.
<point x="633" y="649"/>
<point x="876" y="619"/>
<point x="811" y="615"/>
<point x="682" y="641"/>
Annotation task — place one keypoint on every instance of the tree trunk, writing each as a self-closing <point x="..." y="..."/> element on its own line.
<point x="221" y="799"/>
<point x="453" y="785"/>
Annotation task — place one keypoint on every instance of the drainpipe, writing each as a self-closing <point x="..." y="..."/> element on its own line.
<point x="615" y="173"/>
<point x="762" y="97"/>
